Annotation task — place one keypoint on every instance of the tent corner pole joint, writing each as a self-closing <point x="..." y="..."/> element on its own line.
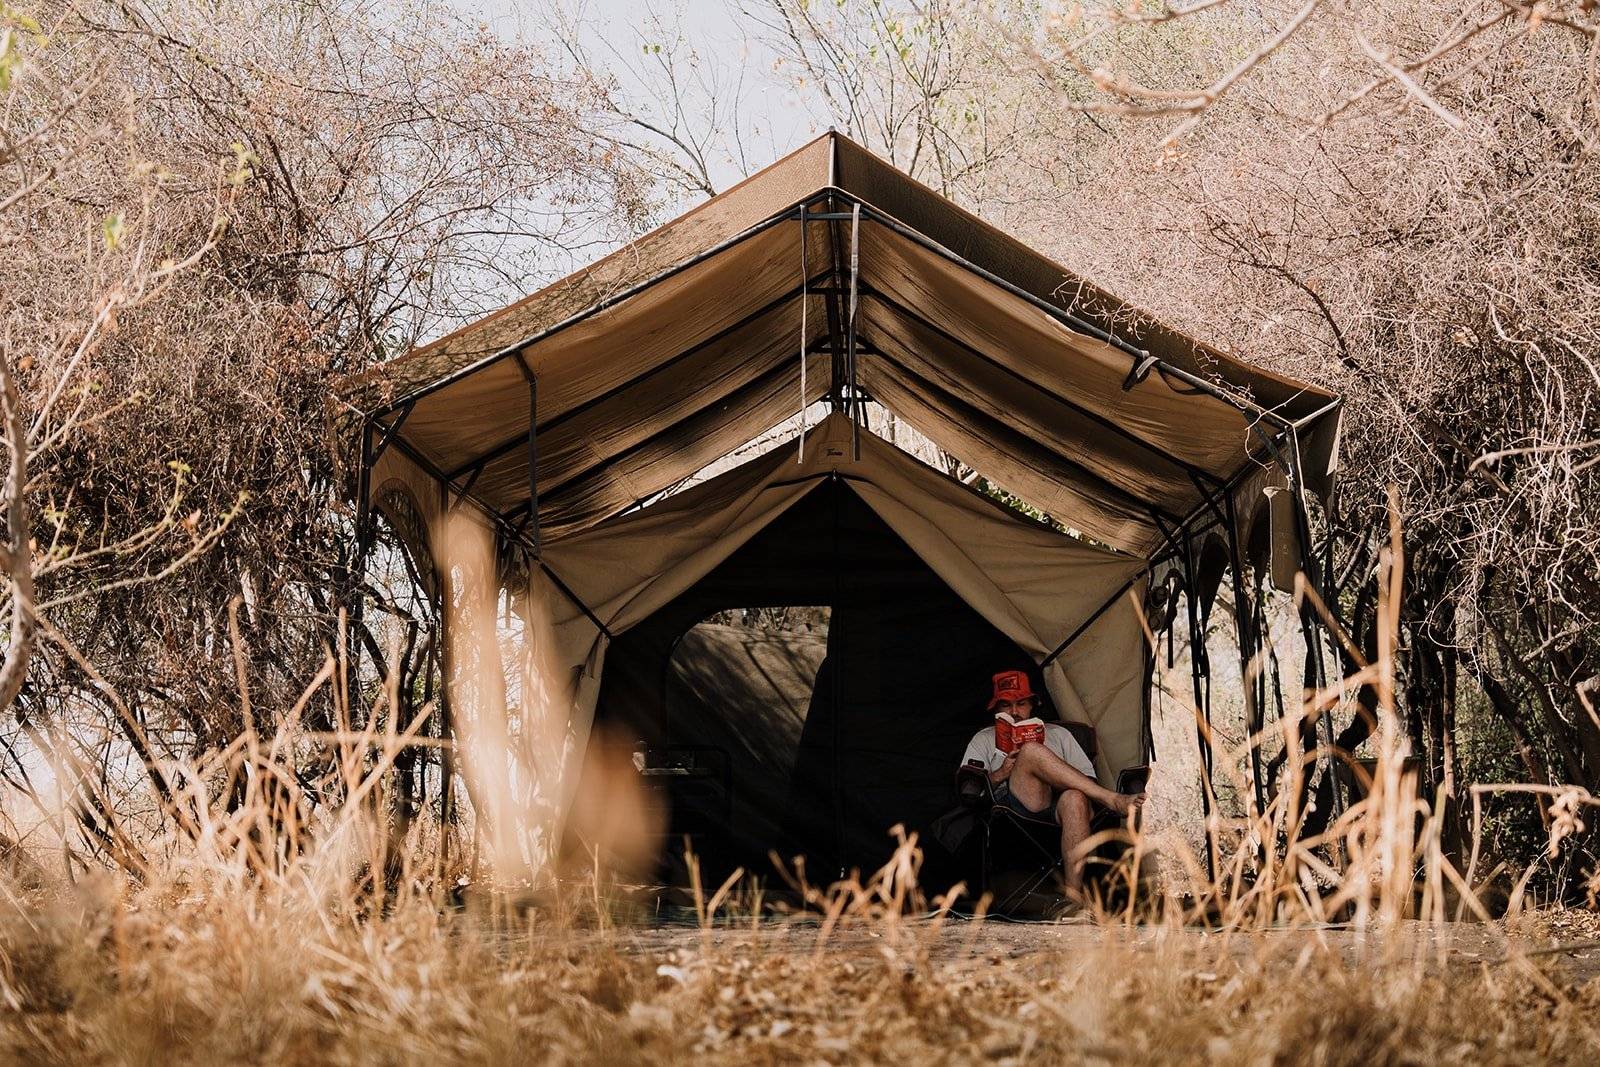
<point x="389" y="431"/>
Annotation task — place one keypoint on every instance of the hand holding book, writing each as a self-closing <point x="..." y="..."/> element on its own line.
<point x="1010" y="734"/>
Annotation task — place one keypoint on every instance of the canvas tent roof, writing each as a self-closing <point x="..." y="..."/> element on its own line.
<point x="688" y="342"/>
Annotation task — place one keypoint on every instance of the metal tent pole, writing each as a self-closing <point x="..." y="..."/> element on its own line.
<point x="447" y="760"/>
<point x="533" y="452"/>
<point x="509" y="445"/>
<point x="1248" y="646"/>
<point x="856" y="413"/>
<point x="1199" y="667"/>
<point x="1144" y="362"/>
<point x="354" y="601"/>
<point x="1311" y="626"/>
<point x="838" y="711"/>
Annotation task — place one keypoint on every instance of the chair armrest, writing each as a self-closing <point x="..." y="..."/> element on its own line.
<point x="1133" y="779"/>
<point x="973" y="786"/>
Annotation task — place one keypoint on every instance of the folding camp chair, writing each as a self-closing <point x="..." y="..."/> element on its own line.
<point x="1034" y="842"/>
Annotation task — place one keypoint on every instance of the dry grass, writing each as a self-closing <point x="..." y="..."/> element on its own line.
<point x="220" y="973"/>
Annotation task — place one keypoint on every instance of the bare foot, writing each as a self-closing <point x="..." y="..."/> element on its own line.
<point x="1126" y="803"/>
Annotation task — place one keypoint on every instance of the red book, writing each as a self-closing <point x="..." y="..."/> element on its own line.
<point x="1010" y="735"/>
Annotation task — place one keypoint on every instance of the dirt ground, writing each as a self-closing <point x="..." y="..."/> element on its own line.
<point x="1568" y="942"/>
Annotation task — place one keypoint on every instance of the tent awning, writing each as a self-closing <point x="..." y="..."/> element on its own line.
<point x="688" y="342"/>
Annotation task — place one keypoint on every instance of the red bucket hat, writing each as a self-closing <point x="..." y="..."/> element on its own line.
<point x="1013" y="686"/>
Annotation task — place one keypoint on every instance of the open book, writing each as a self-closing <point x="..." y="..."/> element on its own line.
<point x="1010" y="735"/>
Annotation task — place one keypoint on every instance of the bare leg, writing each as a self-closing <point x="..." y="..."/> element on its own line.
<point x="1072" y="811"/>
<point x="1041" y="774"/>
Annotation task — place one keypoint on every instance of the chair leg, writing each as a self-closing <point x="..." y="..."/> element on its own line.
<point x="1026" y="889"/>
<point x="983" y="863"/>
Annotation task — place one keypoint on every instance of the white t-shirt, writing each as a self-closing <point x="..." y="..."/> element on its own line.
<point x="1057" y="739"/>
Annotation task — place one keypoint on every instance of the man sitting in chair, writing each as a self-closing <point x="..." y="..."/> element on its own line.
<point x="1053" y="781"/>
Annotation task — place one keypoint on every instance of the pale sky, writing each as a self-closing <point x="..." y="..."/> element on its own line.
<point x="759" y="100"/>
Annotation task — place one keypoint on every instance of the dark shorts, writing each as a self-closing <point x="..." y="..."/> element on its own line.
<point x="1004" y="795"/>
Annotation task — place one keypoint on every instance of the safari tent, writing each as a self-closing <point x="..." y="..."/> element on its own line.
<point x="563" y="423"/>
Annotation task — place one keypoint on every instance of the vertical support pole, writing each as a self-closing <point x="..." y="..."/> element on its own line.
<point x="1325" y="591"/>
<point x="837" y="650"/>
<point x="447" y="756"/>
<point x="1310" y="625"/>
<point x="1198" y="669"/>
<point x="533" y="463"/>
<point x="835" y="312"/>
<point x="850" y="327"/>
<point x="805" y="306"/>
<point x="533" y="452"/>
<point x="1245" y="623"/>
<point x="364" y="486"/>
<point x="354" y="602"/>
